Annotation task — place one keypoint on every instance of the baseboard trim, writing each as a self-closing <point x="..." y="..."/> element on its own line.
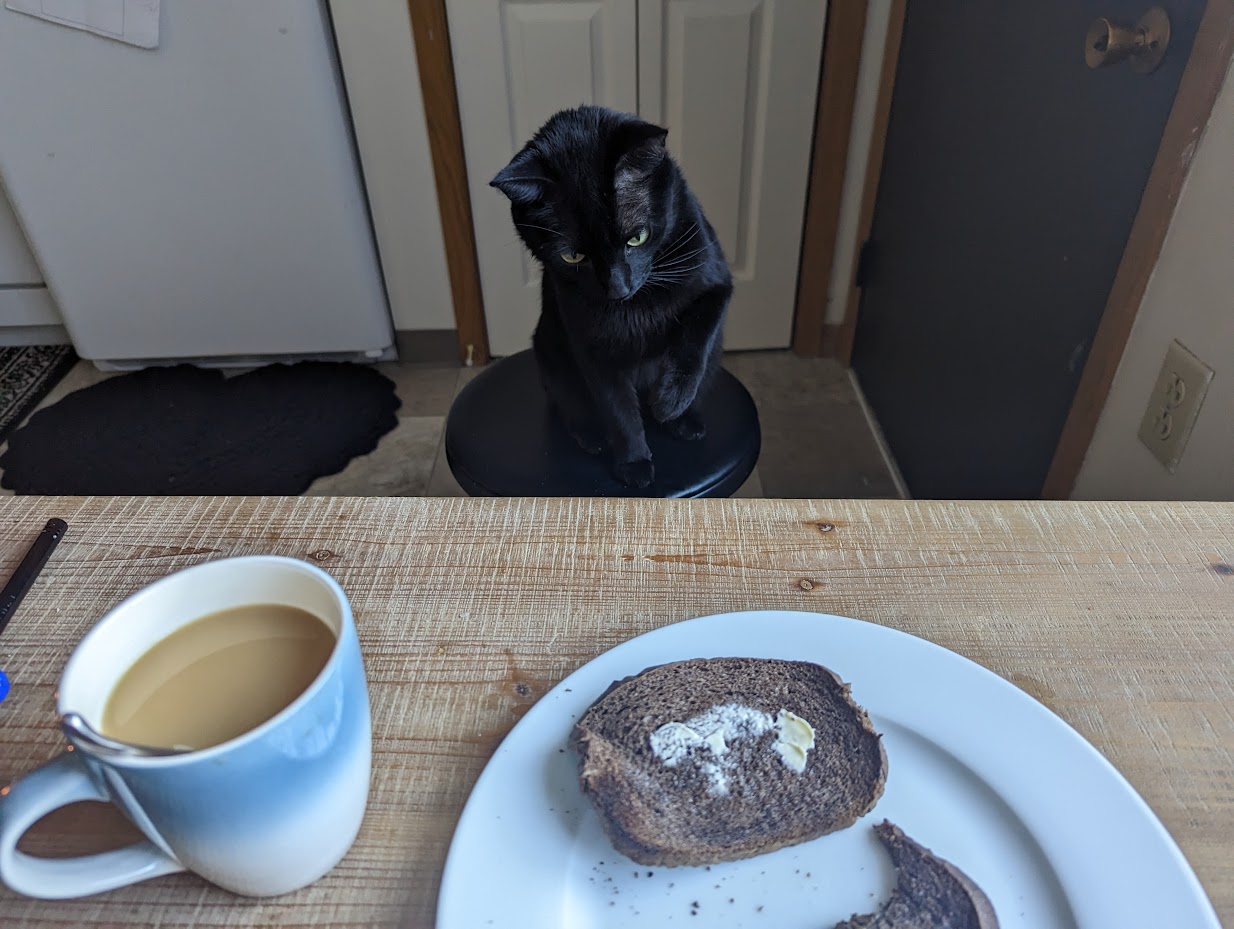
<point x="427" y="345"/>
<point x="876" y="430"/>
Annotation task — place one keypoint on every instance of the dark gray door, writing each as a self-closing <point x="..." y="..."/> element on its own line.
<point x="1011" y="177"/>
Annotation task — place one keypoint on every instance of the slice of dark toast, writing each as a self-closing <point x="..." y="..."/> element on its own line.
<point x="930" y="893"/>
<point x="708" y="802"/>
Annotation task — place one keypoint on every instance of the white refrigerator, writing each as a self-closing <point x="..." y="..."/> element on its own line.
<point x="199" y="201"/>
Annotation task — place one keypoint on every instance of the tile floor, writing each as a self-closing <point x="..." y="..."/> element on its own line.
<point x="818" y="440"/>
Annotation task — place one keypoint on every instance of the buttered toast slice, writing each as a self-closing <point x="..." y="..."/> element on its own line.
<point x="712" y="760"/>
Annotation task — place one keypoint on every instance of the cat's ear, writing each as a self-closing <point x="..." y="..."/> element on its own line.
<point x="522" y="180"/>
<point x="640" y="149"/>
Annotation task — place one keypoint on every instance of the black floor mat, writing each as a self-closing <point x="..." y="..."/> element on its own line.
<point x="187" y="430"/>
<point x="27" y="373"/>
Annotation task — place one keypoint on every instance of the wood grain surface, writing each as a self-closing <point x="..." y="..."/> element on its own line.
<point x="1119" y="617"/>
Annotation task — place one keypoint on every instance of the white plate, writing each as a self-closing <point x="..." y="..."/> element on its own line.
<point x="978" y="771"/>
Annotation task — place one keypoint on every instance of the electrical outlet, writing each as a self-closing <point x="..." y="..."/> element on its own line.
<point x="1174" y="405"/>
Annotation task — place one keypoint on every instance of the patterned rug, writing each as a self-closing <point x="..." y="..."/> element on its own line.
<point x="27" y="373"/>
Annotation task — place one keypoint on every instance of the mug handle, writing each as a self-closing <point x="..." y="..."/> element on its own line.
<point x="62" y="781"/>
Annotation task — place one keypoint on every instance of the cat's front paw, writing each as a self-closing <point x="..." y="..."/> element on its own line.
<point x="671" y="401"/>
<point x="638" y="473"/>
<point x="688" y="427"/>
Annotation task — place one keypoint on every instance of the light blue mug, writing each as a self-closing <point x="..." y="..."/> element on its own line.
<point x="262" y="814"/>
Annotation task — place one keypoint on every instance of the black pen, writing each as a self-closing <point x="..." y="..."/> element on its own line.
<point x="22" y="579"/>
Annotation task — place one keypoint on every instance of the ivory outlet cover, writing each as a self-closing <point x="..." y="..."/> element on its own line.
<point x="1174" y="405"/>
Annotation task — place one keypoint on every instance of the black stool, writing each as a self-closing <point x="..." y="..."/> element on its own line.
<point x="502" y="440"/>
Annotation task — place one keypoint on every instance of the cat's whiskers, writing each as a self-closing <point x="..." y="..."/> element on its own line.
<point x="673" y="254"/>
<point x="679" y="261"/>
<point x="675" y="272"/>
<point x="681" y="239"/>
<point x="676" y="254"/>
<point x="533" y="226"/>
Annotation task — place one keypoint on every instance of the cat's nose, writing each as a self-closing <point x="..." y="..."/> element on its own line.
<point x="620" y="284"/>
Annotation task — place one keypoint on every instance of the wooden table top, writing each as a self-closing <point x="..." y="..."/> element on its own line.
<point x="1119" y="617"/>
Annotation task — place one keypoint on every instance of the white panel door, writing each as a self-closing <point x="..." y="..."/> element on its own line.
<point x="735" y="83"/>
<point x="516" y="62"/>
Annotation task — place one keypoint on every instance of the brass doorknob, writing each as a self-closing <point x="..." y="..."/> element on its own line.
<point x="1108" y="42"/>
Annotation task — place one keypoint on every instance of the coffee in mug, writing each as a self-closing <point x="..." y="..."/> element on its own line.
<point x="218" y="677"/>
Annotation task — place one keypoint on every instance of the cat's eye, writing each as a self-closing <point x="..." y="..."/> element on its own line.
<point x="572" y="258"/>
<point x="639" y="238"/>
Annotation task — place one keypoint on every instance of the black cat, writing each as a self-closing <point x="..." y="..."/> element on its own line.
<point x="635" y="286"/>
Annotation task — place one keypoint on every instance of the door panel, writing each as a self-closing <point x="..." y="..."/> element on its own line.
<point x="1011" y="177"/>
<point x="517" y="62"/>
<point x="735" y="83"/>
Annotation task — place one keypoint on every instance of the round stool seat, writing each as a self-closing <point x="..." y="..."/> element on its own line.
<point x="503" y="440"/>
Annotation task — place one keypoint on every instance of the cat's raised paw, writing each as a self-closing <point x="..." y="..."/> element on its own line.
<point x="635" y="473"/>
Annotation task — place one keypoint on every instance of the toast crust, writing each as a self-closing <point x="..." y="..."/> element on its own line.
<point x="930" y="892"/>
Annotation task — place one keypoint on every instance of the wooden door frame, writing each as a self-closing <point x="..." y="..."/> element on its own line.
<point x="431" y="31"/>
<point x="837" y="91"/>
<point x="833" y="124"/>
<point x="842" y="344"/>
<point x="1202" y="80"/>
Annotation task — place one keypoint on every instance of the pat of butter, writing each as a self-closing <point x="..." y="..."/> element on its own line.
<point x="704" y="740"/>
<point x="794" y="738"/>
<point x="716" y="742"/>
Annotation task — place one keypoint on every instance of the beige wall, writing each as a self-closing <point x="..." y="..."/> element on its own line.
<point x="1190" y="297"/>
